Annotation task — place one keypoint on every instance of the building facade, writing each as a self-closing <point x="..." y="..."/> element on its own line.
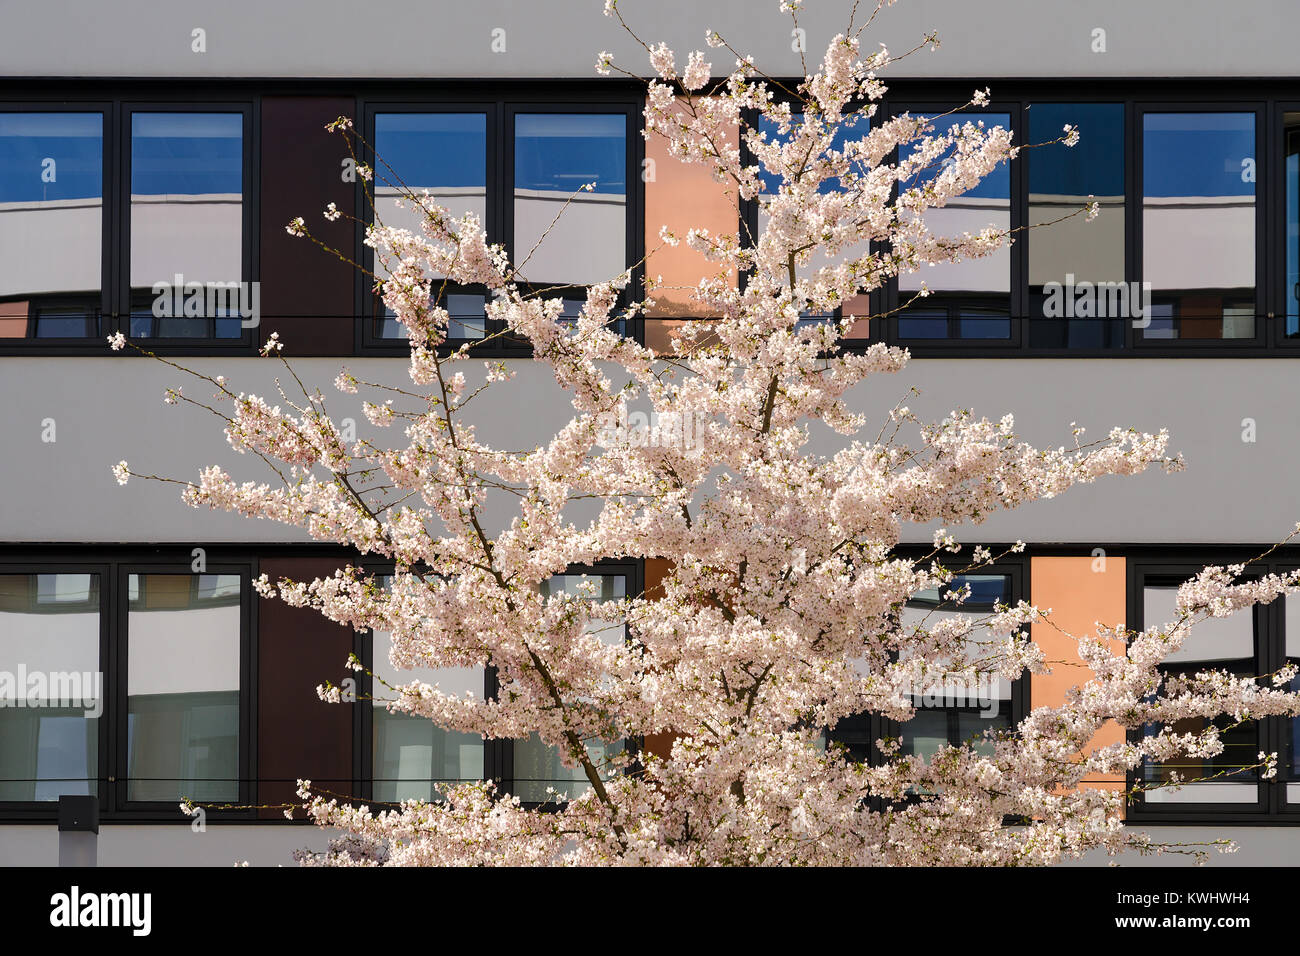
<point x="171" y="148"/>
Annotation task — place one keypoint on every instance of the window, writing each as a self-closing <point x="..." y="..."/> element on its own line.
<point x="446" y="154"/>
<point x="1199" y="224"/>
<point x="1291" y="245"/>
<point x="187" y="226"/>
<point x="183" y="653"/>
<point x="410" y="755"/>
<point x="52" y="224"/>
<point x="51" y="685"/>
<point x="556" y="157"/>
<point x="518" y="181"/>
<point x="137" y="224"/>
<point x="755" y="223"/>
<point x="125" y="681"/>
<point x="1247" y="643"/>
<point x="1228" y="644"/>
<point x="535" y="765"/>
<point x="949" y="713"/>
<point x="970" y="299"/>
<point x="1078" y="290"/>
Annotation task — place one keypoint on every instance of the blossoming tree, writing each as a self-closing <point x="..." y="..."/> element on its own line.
<point x="780" y="612"/>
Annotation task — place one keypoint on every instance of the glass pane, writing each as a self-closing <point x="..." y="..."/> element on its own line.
<point x="1291" y="144"/>
<point x="972" y="725"/>
<point x="771" y="183"/>
<point x="51" y="686"/>
<point x="536" y="765"/>
<point x="923" y="324"/>
<point x="925" y="733"/>
<point x="959" y="711"/>
<point x="444" y="153"/>
<point x="467" y="318"/>
<point x="983" y="324"/>
<point x="51" y="223"/>
<point x="187" y="224"/>
<point x="412" y="753"/>
<point x="556" y="156"/>
<point x="985" y="591"/>
<point x="183" y="664"/>
<point x="987" y="204"/>
<point x="1228" y="644"/>
<point x="1076" y="268"/>
<point x="1198" y="223"/>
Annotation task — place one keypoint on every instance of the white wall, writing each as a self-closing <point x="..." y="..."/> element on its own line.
<point x="561" y="38"/>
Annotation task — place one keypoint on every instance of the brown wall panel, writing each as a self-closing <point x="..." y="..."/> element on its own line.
<point x="298" y="734"/>
<point x="656" y="569"/>
<point x="307" y="293"/>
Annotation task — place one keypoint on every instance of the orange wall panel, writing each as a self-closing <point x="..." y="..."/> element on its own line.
<point x="682" y="197"/>
<point x="1080" y="591"/>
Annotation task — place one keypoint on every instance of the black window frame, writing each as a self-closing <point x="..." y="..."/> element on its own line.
<point x="30" y="344"/>
<point x="1267" y="98"/>
<point x="1017" y="268"/>
<point x="1135" y="198"/>
<point x="249" y="214"/>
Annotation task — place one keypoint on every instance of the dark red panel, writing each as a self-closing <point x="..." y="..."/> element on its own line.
<point x="307" y="293"/>
<point x="299" y="735"/>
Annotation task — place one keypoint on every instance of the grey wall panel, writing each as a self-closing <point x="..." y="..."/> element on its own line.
<point x="109" y="409"/>
<point x="219" y="845"/>
<point x="561" y="38"/>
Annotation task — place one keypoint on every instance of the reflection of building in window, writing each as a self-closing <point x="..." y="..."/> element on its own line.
<point x="1062" y="180"/>
<point x="556" y="156"/>
<point x="49" y="654"/>
<point x="186" y="214"/>
<point x="1199" y="224"/>
<point x="412" y="755"/>
<point x="183" y="667"/>
<point x="51" y="224"/>
<point x="969" y="299"/>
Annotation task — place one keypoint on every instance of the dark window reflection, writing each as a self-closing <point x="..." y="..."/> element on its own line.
<point x="1198" y="223"/>
<point x="467" y="318"/>
<point x="948" y="316"/>
<point x="1291" y="140"/>
<point x="556" y="155"/>
<point x="51" y="224"/>
<point x="1078" y="293"/>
